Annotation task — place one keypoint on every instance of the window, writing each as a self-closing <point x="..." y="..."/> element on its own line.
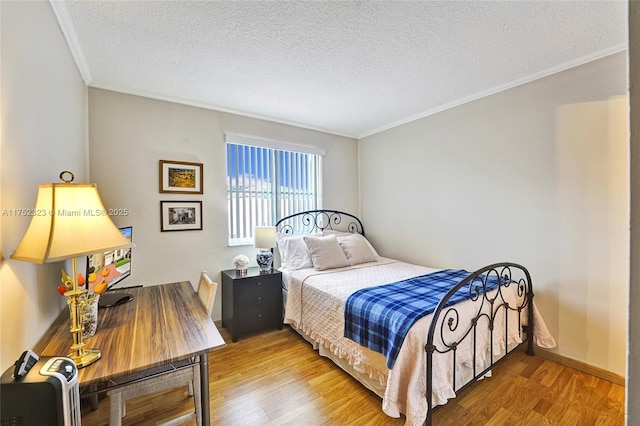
<point x="268" y="180"/>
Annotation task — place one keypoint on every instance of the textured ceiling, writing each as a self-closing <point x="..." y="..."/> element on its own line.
<point x="349" y="68"/>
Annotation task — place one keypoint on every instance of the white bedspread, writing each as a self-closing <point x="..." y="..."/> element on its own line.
<point x="315" y="305"/>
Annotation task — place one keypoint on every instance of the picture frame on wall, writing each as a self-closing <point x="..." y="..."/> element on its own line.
<point x="181" y="177"/>
<point x="180" y="216"/>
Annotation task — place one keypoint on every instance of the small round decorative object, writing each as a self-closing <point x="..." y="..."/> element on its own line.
<point x="241" y="262"/>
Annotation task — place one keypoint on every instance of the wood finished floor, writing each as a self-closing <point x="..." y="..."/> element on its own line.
<point x="275" y="378"/>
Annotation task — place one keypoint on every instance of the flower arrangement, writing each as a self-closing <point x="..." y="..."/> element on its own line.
<point x="241" y="262"/>
<point x="67" y="285"/>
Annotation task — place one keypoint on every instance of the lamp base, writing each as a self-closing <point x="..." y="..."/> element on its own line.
<point x="264" y="260"/>
<point x="77" y="300"/>
<point x="90" y="356"/>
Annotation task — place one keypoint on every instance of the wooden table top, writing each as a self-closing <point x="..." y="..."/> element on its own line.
<point x="162" y="324"/>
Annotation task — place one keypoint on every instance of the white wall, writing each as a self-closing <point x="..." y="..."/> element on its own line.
<point x="44" y="131"/>
<point x="129" y="134"/>
<point x="535" y="175"/>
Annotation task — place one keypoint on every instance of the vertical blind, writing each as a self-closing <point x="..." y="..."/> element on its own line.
<point x="265" y="184"/>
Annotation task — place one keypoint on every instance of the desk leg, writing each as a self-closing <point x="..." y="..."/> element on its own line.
<point x="93" y="398"/>
<point x="204" y="388"/>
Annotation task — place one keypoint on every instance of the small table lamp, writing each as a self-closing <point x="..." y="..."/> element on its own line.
<point x="70" y="221"/>
<point x="265" y="240"/>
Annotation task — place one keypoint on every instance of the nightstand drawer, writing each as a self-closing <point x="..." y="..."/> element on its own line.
<point x="248" y="301"/>
<point x="257" y="284"/>
<point x="257" y="319"/>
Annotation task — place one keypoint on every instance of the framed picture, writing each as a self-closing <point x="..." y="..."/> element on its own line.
<point x="180" y="215"/>
<point x="180" y="177"/>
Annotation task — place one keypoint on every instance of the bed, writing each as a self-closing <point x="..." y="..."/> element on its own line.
<point x="334" y="282"/>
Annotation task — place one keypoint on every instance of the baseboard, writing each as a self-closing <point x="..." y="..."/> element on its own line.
<point x="581" y="366"/>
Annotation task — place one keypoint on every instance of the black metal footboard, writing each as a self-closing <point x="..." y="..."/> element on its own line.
<point x="498" y="296"/>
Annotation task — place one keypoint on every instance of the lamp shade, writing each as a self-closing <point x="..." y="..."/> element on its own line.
<point x="265" y="237"/>
<point x="69" y="220"/>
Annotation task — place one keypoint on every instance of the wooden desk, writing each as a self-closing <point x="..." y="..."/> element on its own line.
<point x="161" y="325"/>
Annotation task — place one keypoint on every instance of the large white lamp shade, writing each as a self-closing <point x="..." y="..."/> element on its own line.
<point x="69" y="220"/>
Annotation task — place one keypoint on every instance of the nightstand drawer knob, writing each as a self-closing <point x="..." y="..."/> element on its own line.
<point x="259" y="299"/>
<point x="259" y="284"/>
<point x="259" y="317"/>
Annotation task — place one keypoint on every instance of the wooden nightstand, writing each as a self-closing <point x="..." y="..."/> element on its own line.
<point x="251" y="302"/>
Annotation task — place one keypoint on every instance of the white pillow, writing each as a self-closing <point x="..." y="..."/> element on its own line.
<point x="326" y="252"/>
<point x="356" y="249"/>
<point x="341" y="234"/>
<point x="294" y="253"/>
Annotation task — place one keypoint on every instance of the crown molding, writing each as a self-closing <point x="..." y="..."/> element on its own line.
<point x="510" y="85"/>
<point x="64" y="20"/>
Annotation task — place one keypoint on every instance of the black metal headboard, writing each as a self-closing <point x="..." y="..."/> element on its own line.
<point x="318" y="220"/>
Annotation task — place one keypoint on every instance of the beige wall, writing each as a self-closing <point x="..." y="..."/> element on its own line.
<point x="536" y="175"/>
<point x="633" y="370"/>
<point x="44" y="131"/>
<point x="127" y="137"/>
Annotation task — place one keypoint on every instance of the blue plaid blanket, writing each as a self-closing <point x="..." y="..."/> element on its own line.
<point x="380" y="317"/>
